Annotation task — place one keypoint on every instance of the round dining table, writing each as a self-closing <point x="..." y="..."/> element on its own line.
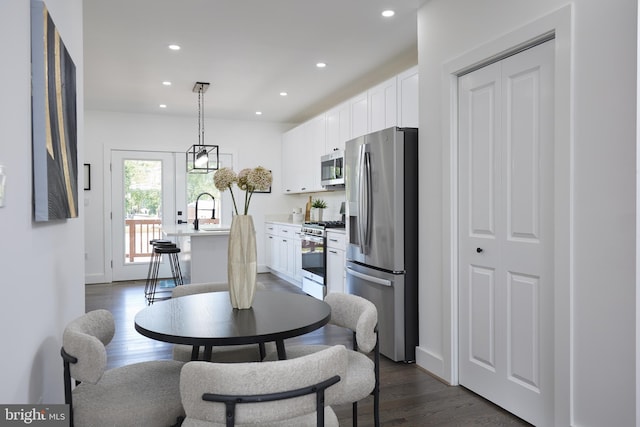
<point x="208" y="320"/>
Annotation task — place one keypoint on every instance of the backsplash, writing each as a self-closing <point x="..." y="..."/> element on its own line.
<point x="298" y="201"/>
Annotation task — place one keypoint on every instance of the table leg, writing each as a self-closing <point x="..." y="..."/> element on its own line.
<point x="207" y="353"/>
<point x="263" y="351"/>
<point x="282" y="354"/>
<point x="195" y="352"/>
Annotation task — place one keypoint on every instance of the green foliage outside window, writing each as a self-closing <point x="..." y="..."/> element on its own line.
<point x="143" y="187"/>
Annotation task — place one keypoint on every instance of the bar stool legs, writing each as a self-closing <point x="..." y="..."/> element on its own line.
<point x="148" y="286"/>
<point x="161" y="247"/>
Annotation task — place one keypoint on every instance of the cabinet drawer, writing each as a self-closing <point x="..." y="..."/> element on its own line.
<point x="289" y="231"/>
<point x="336" y="240"/>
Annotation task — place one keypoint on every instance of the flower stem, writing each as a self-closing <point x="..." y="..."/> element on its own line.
<point x="235" y="208"/>
<point x="246" y="208"/>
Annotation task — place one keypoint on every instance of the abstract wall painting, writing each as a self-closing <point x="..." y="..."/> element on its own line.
<point x="53" y="120"/>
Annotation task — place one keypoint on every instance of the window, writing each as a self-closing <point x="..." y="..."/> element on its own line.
<point x="198" y="184"/>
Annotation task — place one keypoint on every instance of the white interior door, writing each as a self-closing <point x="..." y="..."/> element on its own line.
<point x="143" y="186"/>
<point x="506" y="233"/>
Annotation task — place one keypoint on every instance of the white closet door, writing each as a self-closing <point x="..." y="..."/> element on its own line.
<point x="506" y="233"/>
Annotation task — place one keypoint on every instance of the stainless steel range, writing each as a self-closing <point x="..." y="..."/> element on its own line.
<point x="314" y="258"/>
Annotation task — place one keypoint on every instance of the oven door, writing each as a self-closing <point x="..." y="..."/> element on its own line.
<point x="313" y="265"/>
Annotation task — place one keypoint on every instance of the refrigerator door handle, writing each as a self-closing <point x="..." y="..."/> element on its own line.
<point x="377" y="280"/>
<point x="364" y="198"/>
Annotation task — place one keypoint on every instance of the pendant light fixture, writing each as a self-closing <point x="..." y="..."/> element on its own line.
<point x="202" y="158"/>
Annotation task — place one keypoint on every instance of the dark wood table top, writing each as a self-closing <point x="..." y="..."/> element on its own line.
<point x="208" y="319"/>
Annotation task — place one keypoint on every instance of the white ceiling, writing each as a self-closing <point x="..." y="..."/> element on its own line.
<point x="248" y="50"/>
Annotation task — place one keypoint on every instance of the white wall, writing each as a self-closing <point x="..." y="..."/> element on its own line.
<point x="595" y="326"/>
<point x="41" y="264"/>
<point x="251" y="144"/>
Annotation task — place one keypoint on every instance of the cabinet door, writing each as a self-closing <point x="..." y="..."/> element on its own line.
<point x="292" y="155"/>
<point x="283" y="254"/>
<point x="272" y="255"/>
<point x="408" y="98"/>
<point x="302" y="147"/>
<point x="336" y="261"/>
<point x="359" y="115"/>
<point x="316" y="147"/>
<point x="297" y="257"/>
<point x="338" y="127"/>
<point x="335" y="270"/>
<point x="382" y="105"/>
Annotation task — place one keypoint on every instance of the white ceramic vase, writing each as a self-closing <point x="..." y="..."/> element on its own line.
<point x="243" y="265"/>
<point x="316" y="214"/>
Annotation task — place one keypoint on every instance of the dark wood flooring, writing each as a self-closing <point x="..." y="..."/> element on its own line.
<point x="409" y="396"/>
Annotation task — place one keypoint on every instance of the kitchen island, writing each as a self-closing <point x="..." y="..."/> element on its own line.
<point x="203" y="252"/>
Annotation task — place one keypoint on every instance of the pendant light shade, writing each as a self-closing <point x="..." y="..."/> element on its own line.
<point x="202" y="158"/>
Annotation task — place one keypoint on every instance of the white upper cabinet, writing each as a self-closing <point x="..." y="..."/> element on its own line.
<point x="408" y="98"/>
<point x="302" y="147"/>
<point x="292" y="159"/>
<point x="393" y="102"/>
<point x="359" y="115"/>
<point x="338" y="127"/>
<point x="382" y="105"/>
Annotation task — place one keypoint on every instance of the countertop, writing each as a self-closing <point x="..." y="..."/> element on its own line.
<point x="283" y="222"/>
<point x="205" y="230"/>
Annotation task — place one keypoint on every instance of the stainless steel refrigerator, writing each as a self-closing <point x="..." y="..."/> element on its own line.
<point x="381" y="183"/>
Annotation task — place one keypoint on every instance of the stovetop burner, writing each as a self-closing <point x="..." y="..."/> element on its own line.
<point x="318" y="227"/>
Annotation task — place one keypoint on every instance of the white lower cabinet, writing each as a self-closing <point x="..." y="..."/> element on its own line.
<point x="336" y="259"/>
<point x="297" y="258"/>
<point x="283" y="254"/>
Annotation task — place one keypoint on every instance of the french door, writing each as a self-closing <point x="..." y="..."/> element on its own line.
<point x="506" y="233"/>
<point x="143" y="186"/>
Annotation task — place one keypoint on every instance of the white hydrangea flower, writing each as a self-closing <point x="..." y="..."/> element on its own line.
<point x="247" y="180"/>
<point x="223" y="178"/>
<point x="260" y="178"/>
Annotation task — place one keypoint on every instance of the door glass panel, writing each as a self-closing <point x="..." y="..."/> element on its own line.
<point x="143" y="208"/>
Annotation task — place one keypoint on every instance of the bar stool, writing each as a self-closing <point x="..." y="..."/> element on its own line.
<point x="154" y="259"/>
<point x="161" y="247"/>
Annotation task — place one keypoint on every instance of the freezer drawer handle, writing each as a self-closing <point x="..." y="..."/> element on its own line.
<point x="383" y="282"/>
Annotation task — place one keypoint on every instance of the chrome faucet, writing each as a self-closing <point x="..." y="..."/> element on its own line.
<point x="213" y="209"/>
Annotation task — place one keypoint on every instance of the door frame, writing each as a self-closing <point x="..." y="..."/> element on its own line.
<point x="555" y="26"/>
<point x="107" y="200"/>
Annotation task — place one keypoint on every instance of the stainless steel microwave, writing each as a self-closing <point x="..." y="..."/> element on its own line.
<point x="332" y="170"/>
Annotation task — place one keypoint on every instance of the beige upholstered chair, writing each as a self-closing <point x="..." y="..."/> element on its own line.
<point x="363" y="374"/>
<point x="269" y="394"/>
<point x="226" y="354"/>
<point x="145" y="393"/>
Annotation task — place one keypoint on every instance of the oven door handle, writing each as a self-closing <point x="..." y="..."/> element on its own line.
<point x="314" y="239"/>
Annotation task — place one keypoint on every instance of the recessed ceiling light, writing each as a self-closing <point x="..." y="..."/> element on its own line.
<point x="258" y="113"/>
<point x="174" y="47"/>
<point x="163" y="105"/>
<point x="166" y="83"/>
<point x="283" y="94"/>
<point x="321" y="65"/>
<point x="388" y="13"/>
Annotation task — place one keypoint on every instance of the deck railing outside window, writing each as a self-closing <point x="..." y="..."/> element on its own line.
<point x="140" y="232"/>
